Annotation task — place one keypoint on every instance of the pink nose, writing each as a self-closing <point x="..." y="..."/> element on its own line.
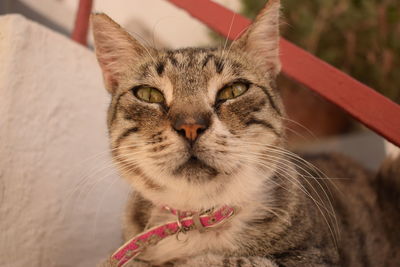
<point x="190" y="131"/>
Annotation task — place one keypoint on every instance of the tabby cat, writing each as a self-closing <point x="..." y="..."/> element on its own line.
<point x="196" y="129"/>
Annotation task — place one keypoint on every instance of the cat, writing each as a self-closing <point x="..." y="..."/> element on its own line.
<point x="197" y="129"/>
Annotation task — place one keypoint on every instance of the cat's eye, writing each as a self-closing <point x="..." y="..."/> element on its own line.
<point x="149" y="94"/>
<point x="232" y="91"/>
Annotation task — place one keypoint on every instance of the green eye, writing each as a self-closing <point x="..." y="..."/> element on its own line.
<point x="149" y="94"/>
<point x="232" y="91"/>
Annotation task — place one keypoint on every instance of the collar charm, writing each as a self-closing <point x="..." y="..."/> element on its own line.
<point x="186" y="221"/>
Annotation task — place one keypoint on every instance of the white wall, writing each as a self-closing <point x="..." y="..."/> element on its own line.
<point x="170" y="25"/>
<point x="59" y="205"/>
<point x="60" y="199"/>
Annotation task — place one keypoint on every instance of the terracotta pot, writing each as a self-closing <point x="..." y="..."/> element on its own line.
<point x="310" y="116"/>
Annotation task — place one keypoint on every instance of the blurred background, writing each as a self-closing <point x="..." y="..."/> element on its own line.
<point x="60" y="198"/>
<point x="358" y="37"/>
<point x="154" y="20"/>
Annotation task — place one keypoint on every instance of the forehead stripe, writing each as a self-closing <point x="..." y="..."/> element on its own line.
<point x="219" y="65"/>
<point x="160" y="68"/>
<point x="171" y="58"/>
<point x="206" y="59"/>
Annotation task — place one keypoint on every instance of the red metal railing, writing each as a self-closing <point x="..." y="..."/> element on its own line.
<point x="366" y="105"/>
<point x="82" y="22"/>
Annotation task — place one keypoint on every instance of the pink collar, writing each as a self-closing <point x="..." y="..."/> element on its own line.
<point x="185" y="222"/>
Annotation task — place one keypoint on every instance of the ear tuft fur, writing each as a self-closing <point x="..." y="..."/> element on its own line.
<point x="261" y="40"/>
<point x="116" y="50"/>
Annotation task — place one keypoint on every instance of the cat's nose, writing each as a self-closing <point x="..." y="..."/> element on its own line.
<point x="190" y="129"/>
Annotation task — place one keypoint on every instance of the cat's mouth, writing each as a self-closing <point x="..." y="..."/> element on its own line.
<point x="194" y="168"/>
<point x="194" y="160"/>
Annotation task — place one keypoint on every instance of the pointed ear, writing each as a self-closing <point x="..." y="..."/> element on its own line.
<point x="116" y="50"/>
<point x="261" y="40"/>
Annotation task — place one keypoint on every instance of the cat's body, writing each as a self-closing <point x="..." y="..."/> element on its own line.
<point x="199" y="128"/>
<point x="301" y="238"/>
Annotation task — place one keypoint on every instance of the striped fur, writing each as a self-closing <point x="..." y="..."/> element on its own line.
<point x="289" y="214"/>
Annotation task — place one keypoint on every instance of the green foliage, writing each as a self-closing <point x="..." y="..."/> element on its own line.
<point x="361" y="37"/>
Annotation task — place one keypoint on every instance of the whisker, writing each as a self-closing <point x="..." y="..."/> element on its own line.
<point x="138" y="36"/>
<point x="236" y="39"/>
<point x="302" y="126"/>
<point x="226" y="39"/>
<point x="307" y="165"/>
<point x="101" y="201"/>
<point x="319" y="205"/>
<point x="302" y="136"/>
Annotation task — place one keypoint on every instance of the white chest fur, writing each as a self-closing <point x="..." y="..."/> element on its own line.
<point x="250" y="196"/>
<point x="224" y="237"/>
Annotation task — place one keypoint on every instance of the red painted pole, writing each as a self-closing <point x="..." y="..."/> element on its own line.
<point x="364" y="104"/>
<point x="80" y="31"/>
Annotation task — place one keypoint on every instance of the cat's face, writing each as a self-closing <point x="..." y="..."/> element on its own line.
<point x="194" y="116"/>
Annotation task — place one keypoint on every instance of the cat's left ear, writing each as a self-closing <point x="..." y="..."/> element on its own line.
<point x="261" y="40"/>
<point x="116" y="50"/>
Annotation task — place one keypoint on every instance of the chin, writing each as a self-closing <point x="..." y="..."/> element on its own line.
<point x="196" y="170"/>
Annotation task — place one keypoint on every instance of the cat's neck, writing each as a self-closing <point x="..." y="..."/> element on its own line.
<point x="250" y="188"/>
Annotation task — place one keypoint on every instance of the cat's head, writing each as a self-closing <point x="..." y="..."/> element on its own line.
<point x="193" y="122"/>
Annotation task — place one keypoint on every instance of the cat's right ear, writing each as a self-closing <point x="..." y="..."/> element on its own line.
<point x="116" y="50"/>
<point x="261" y="40"/>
